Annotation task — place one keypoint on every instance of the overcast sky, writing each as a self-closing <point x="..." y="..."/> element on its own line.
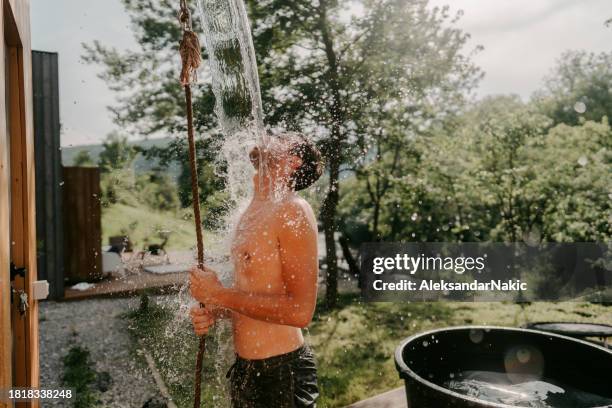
<point x="522" y="41"/>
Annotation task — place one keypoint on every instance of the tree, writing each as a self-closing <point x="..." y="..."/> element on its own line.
<point x="469" y="181"/>
<point x="211" y="183"/>
<point x="501" y="132"/>
<point x="117" y="153"/>
<point x="117" y="179"/>
<point x="573" y="168"/>
<point x="83" y="159"/>
<point x="578" y="89"/>
<point x="157" y="191"/>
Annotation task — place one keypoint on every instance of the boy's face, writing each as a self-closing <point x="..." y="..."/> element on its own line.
<point x="276" y="158"/>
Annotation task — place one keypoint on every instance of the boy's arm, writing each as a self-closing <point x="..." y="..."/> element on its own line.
<point x="298" y="249"/>
<point x="219" y="313"/>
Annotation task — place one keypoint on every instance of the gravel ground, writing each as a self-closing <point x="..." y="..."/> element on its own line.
<point x="97" y="325"/>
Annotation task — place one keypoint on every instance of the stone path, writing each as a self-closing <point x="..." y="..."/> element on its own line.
<point x="97" y="325"/>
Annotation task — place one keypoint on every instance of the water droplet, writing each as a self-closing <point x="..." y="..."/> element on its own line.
<point x="533" y="237"/>
<point x="523" y="355"/>
<point x="580" y="107"/>
<point x="476" y="335"/>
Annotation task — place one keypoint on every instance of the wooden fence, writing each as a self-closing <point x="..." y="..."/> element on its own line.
<point x="82" y="229"/>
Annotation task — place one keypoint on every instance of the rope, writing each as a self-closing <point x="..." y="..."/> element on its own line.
<point x="189" y="49"/>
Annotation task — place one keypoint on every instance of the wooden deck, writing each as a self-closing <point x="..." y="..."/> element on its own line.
<point x="131" y="285"/>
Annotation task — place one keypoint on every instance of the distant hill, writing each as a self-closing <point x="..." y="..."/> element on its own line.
<point x="141" y="164"/>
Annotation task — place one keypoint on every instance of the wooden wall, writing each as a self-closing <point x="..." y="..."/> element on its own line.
<point x="49" y="225"/>
<point x="5" y="305"/>
<point x="82" y="229"/>
<point x="17" y="210"/>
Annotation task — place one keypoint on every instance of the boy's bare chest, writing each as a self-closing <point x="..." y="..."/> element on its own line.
<point x="255" y="250"/>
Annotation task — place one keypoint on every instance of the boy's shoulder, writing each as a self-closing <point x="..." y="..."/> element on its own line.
<point x="293" y="211"/>
<point x="295" y="205"/>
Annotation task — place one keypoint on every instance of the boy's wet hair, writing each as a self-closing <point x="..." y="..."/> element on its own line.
<point x="312" y="165"/>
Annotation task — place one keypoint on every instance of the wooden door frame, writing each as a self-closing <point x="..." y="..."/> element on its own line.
<point x="5" y="305"/>
<point x="22" y="347"/>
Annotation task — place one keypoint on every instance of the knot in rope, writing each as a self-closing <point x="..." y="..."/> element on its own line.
<point x="184" y="15"/>
<point x="189" y="47"/>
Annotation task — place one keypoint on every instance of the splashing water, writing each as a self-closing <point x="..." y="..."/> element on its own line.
<point x="233" y="74"/>
<point x="530" y="392"/>
<point x="235" y="83"/>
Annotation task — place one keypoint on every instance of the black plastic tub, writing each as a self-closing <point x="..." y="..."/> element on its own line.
<point x="430" y="362"/>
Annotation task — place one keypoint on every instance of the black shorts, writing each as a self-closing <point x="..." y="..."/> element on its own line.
<point x="284" y="381"/>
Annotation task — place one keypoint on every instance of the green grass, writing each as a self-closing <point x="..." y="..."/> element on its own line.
<point x="173" y="346"/>
<point x="143" y="225"/>
<point x="354" y="344"/>
<point x="80" y="376"/>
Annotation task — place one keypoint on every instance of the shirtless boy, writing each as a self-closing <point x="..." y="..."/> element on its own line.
<point x="275" y="288"/>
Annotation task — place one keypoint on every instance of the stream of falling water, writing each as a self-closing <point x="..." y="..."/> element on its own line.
<point x="235" y="83"/>
<point x="231" y="57"/>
